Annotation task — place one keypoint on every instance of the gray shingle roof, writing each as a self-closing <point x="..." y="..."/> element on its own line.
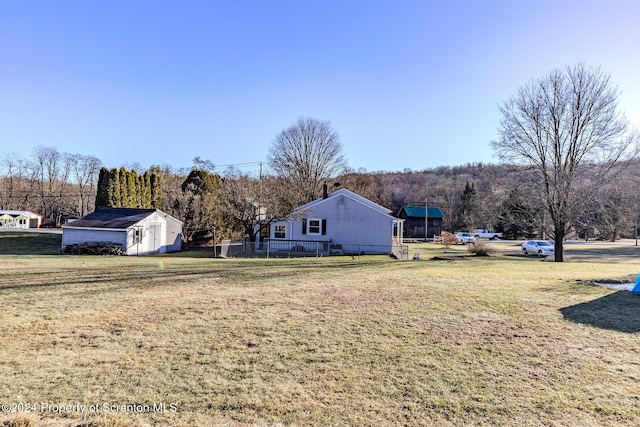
<point x="106" y="217"/>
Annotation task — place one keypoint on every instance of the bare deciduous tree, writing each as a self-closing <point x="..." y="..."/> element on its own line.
<point x="84" y="171"/>
<point x="306" y="154"/>
<point x="51" y="172"/>
<point x="242" y="204"/>
<point x="565" y="124"/>
<point x="15" y="192"/>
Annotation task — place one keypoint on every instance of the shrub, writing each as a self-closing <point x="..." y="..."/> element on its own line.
<point x="95" y="248"/>
<point x="478" y="248"/>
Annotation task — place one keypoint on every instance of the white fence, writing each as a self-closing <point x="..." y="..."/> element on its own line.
<point x="401" y="252"/>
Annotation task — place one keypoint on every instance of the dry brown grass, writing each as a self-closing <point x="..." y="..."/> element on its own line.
<point x="339" y="341"/>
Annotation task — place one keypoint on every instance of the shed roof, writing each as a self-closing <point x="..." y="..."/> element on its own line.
<point x="106" y="217"/>
<point x="15" y="213"/>
<point x="417" y="211"/>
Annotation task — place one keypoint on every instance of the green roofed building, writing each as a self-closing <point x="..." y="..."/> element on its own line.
<point x="414" y="216"/>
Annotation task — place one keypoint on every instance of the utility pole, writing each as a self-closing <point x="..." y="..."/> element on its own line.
<point x="426" y="219"/>
<point x="215" y="252"/>
<point x="259" y="219"/>
<point x="260" y="195"/>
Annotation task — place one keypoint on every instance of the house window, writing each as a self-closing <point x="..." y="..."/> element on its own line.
<point x="279" y="231"/>
<point x="314" y="226"/>
<point x="317" y="226"/>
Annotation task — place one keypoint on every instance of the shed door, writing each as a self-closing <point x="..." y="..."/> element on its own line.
<point x="155" y="237"/>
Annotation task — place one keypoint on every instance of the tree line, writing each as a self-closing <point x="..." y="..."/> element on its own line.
<point x="48" y="182"/>
<point x="570" y="168"/>
<point x="122" y="188"/>
<point x="504" y="197"/>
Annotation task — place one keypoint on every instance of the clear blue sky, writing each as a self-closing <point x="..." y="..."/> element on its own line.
<point x="406" y="84"/>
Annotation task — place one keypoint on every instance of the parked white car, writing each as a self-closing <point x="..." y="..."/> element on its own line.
<point x="538" y="247"/>
<point x="464" y="238"/>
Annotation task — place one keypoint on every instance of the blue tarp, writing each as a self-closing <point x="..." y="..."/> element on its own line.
<point x="636" y="287"/>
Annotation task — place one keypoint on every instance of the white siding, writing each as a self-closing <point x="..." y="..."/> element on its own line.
<point x="150" y="230"/>
<point x="350" y="223"/>
<point x="160" y="234"/>
<point x="71" y="236"/>
<point x="167" y="232"/>
<point x="173" y="235"/>
<point x="287" y="229"/>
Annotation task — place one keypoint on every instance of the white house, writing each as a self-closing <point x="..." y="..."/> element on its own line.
<point x="339" y="222"/>
<point x="21" y="220"/>
<point x="139" y="231"/>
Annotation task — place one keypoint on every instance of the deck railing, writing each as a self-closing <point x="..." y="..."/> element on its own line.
<point x="273" y="248"/>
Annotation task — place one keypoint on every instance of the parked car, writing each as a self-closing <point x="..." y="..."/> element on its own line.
<point x="464" y="238"/>
<point x="487" y="234"/>
<point x="538" y="247"/>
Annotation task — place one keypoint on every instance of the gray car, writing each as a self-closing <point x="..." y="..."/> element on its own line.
<point x="464" y="238"/>
<point x="537" y="247"/>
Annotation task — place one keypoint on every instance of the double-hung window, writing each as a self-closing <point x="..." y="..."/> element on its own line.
<point x="279" y="231"/>
<point x="314" y="226"/>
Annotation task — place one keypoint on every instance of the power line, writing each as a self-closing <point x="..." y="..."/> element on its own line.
<point x="237" y="164"/>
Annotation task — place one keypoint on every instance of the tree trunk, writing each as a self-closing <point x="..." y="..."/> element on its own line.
<point x="557" y="243"/>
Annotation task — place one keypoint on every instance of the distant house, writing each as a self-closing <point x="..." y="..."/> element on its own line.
<point x="138" y="231"/>
<point x="414" y="216"/>
<point x="340" y="222"/>
<point x="20" y="220"/>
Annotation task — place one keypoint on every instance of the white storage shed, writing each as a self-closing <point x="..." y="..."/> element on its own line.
<point x="138" y="231"/>
<point x="19" y="220"/>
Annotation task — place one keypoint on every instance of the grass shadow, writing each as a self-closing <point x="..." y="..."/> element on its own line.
<point x="618" y="311"/>
<point x="16" y="243"/>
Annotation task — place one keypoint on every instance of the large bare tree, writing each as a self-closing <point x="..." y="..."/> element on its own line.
<point x="567" y="127"/>
<point x="15" y="191"/>
<point x="307" y="153"/>
<point x="84" y="172"/>
<point x="51" y="172"/>
<point x="242" y="204"/>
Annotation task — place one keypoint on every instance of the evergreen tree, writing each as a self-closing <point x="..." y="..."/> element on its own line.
<point x="146" y="190"/>
<point x="139" y="191"/>
<point x="132" y="191"/>
<point x="155" y="189"/>
<point x="113" y="189"/>
<point x="122" y="179"/>
<point x="102" y="191"/>
<point x="469" y="201"/>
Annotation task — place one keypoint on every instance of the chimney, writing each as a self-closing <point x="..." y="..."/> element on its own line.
<point x="325" y="192"/>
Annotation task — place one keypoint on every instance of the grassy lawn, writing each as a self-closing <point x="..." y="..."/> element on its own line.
<point x="501" y="340"/>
